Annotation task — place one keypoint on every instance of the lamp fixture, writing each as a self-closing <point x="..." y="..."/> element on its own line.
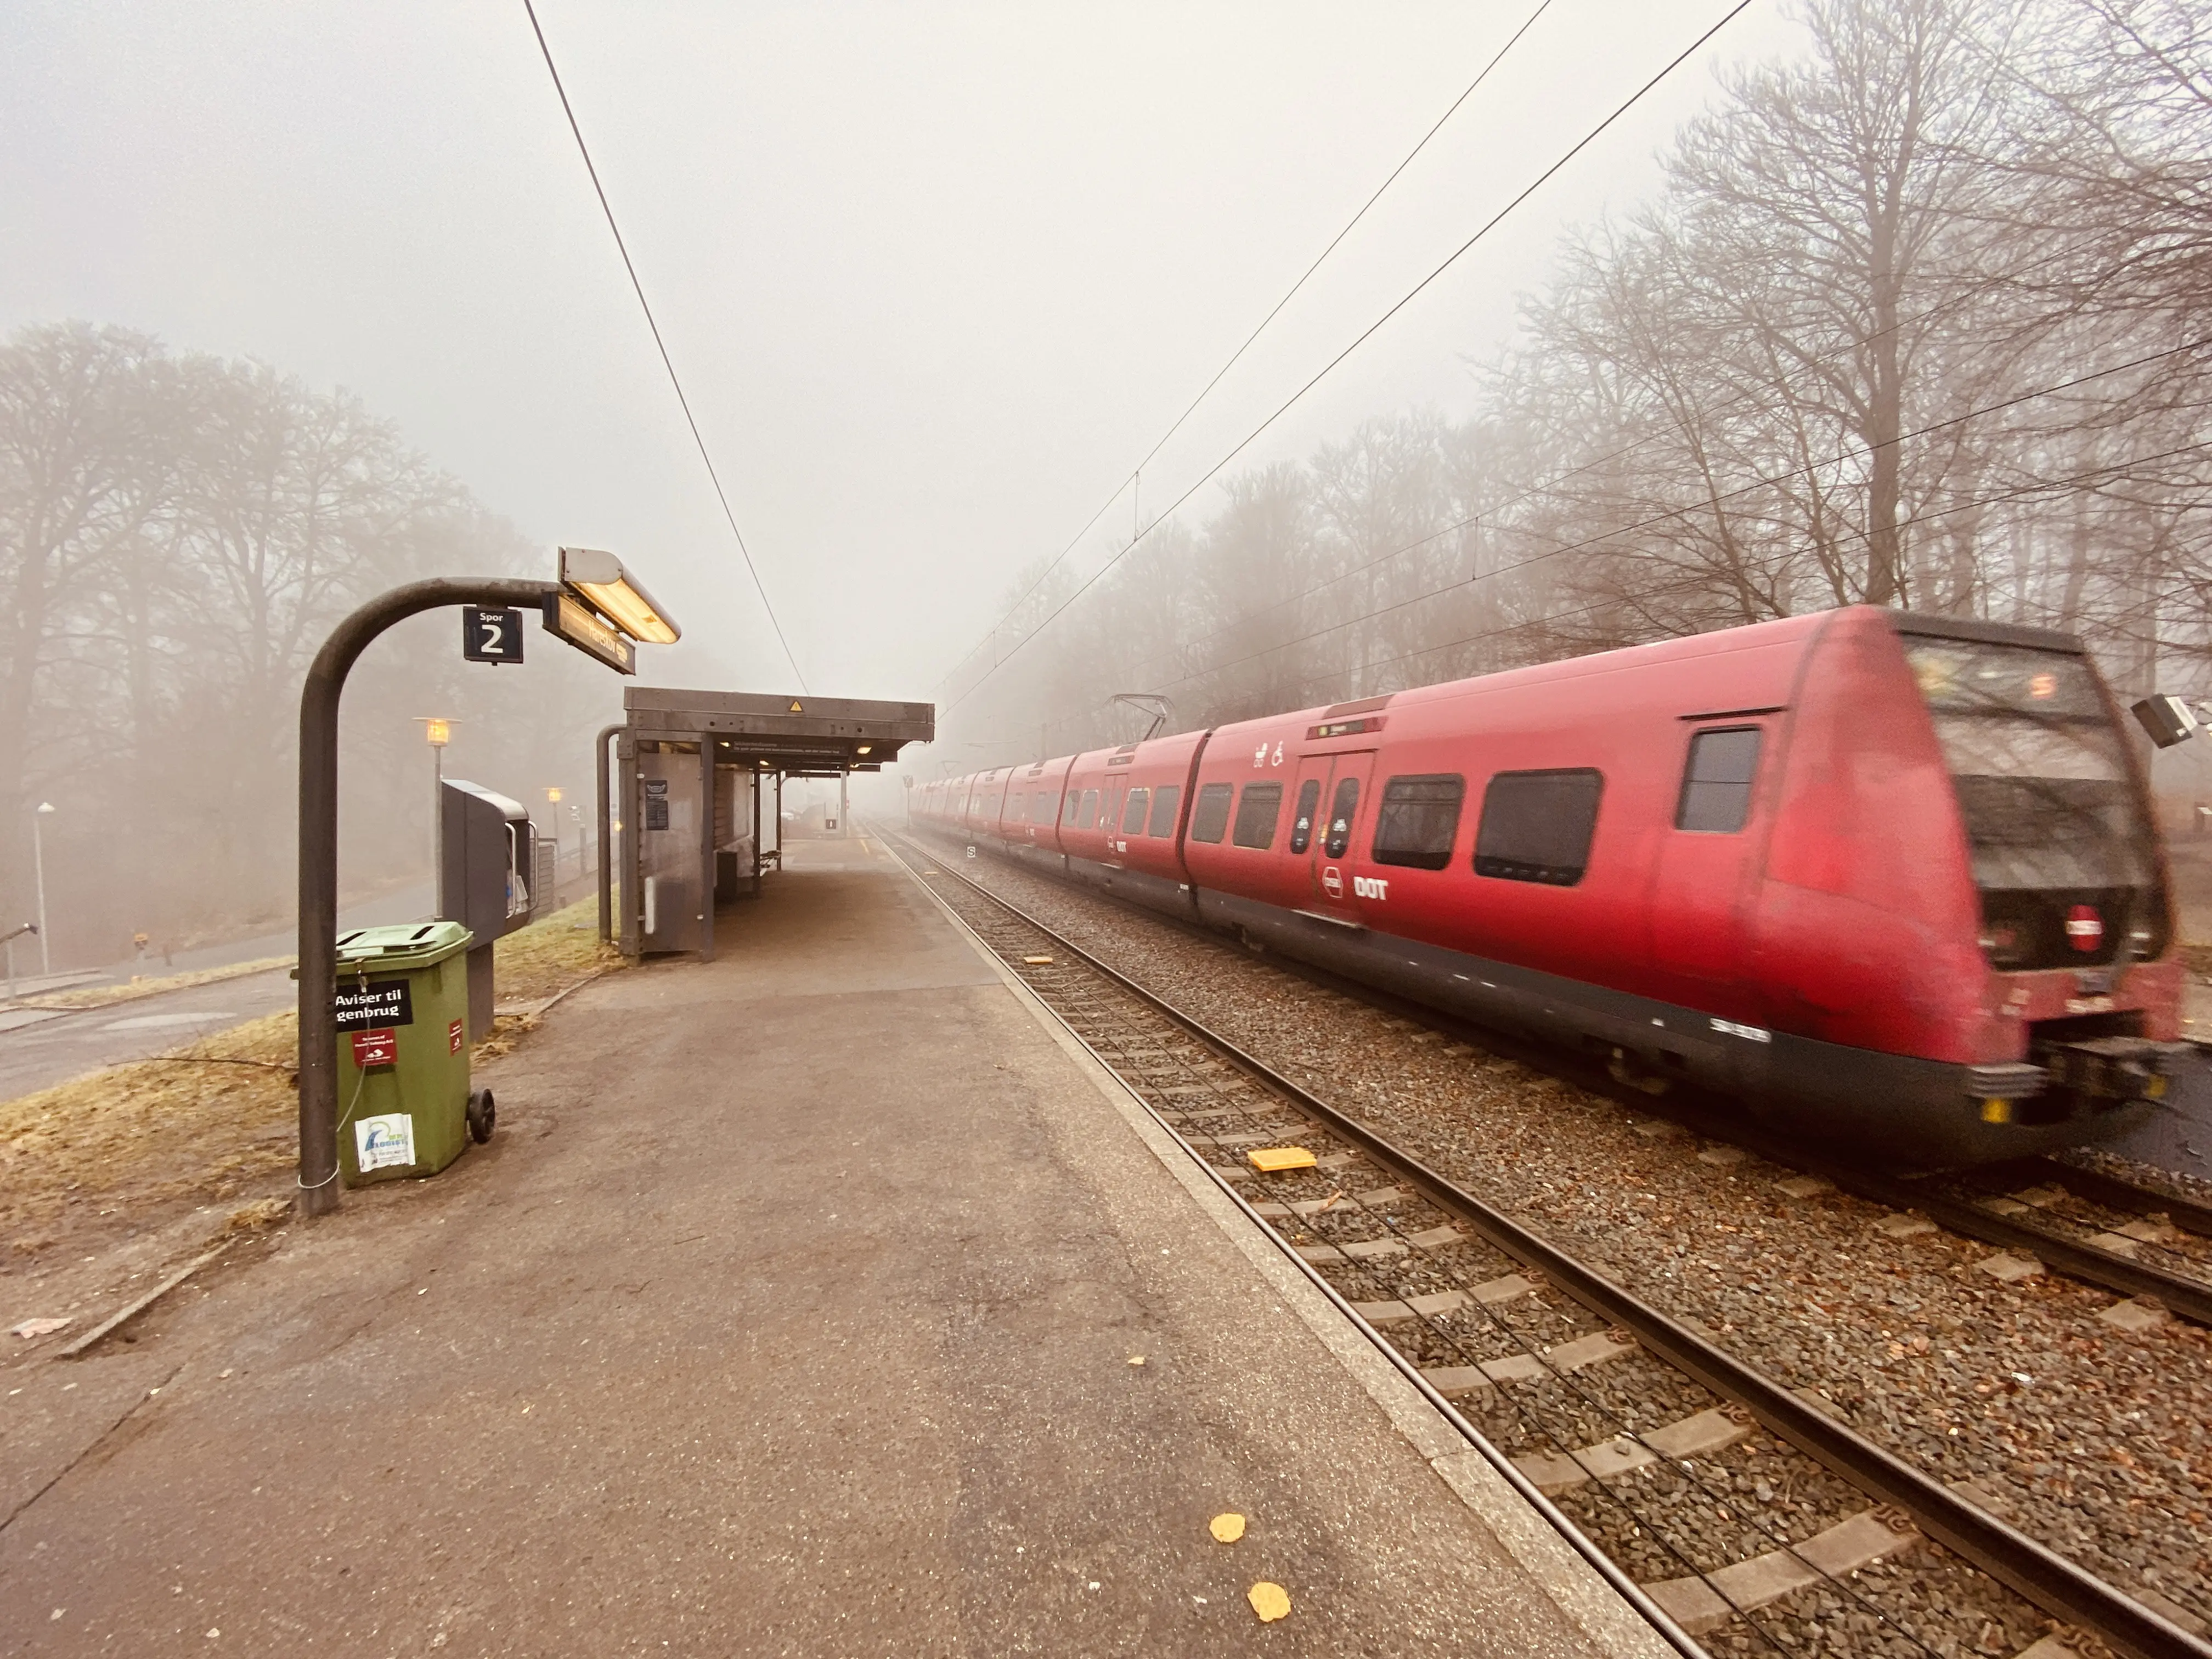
<point x="599" y="580"/>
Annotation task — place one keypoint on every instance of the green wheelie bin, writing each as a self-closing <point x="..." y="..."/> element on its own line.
<point x="404" y="1104"/>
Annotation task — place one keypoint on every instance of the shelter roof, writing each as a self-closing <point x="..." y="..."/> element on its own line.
<point x="790" y="733"/>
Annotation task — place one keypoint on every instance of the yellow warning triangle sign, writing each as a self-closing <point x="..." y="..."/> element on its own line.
<point x="795" y="709"/>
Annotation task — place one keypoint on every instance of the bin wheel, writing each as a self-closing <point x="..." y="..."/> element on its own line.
<point x="483" y="1116"/>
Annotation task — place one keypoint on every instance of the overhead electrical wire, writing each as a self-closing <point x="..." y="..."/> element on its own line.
<point x="2075" y="482"/>
<point x="1236" y="356"/>
<point x="1580" y="144"/>
<point x="1548" y="485"/>
<point x="1857" y="451"/>
<point x="666" y="362"/>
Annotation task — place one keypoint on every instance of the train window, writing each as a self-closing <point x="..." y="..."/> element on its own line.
<point x="1132" y="815"/>
<point x="1019" y="808"/>
<point x="1164" y="810"/>
<point x="1418" y="820"/>
<point x="1070" y="804"/>
<point x="1209" y="817"/>
<point x="1717" y="783"/>
<point x="1536" y="826"/>
<point x="1256" y="812"/>
<point x="1089" y="814"/>
<point x="1343" y="807"/>
<point x="1302" y="819"/>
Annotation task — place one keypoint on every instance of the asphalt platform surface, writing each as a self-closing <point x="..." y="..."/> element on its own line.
<point x="791" y="1311"/>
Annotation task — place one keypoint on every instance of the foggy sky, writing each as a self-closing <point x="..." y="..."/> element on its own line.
<point x="936" y="276"/>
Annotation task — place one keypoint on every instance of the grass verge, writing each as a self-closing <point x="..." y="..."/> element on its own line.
<point x="124" y="1148"/>
<point x="100" y="996"/>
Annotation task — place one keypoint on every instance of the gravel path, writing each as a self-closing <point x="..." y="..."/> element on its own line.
<point x="2096" y="1442"/>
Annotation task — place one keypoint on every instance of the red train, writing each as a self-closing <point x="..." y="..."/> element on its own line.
<point x="1891" y="880"/>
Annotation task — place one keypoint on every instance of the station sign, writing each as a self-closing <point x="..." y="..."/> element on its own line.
<point x="490" y="634"/>
<point x="570" y="619"/>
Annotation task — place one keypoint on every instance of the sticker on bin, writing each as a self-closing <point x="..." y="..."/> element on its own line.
<point x="365" y="1006"/>
<point x="384" y="1142"/>
<point x="1270" y="1159"/>
<point x="454" y="1038"/>
<point x="375" y="1047"/>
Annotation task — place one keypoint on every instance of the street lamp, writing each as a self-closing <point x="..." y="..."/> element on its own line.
<point x="594" y="605"/>
<point x="39" y="863"/>
<point x="617" y="595"/>
<point x="553" y="799"/>
<point x="438" y="732"/>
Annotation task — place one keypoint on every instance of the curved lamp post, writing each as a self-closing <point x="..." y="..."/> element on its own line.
<point x="595" y="606"/>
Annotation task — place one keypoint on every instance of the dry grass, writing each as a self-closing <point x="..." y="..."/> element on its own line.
<point x="136" y="1139"/>
<point x="100" y="996"/>
<point x="553" y="953"/>
<point x="142" y="1140"/>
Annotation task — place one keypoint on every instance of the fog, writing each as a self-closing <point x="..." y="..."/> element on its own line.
<point x="935" y="278"/>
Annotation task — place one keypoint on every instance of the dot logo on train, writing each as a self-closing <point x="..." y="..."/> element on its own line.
<point x="2085" y="929"/>
<point x="1916" y="855"/>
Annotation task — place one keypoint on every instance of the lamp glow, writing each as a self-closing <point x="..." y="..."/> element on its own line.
<point x="600" y="579"/>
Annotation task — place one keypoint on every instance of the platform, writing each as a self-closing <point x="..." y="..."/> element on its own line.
<point x="790" y="1312"/>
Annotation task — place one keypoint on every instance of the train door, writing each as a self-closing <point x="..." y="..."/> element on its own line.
<point x="1334" y="829"/>
<point x="1698" y="914"/>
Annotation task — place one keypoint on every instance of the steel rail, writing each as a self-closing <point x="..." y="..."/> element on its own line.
<point x="2096" y="1187"/>
<point x="1603" y="1565"/>
<point x="2059" y="1586"/>
<point x="2179" y="1293"/>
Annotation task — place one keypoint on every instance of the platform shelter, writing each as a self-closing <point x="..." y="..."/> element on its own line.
<point x="696" y="804"/>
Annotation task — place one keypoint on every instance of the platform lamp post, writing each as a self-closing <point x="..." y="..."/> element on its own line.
<point x="437" y="731"/>
<point x="553" y="799"/>
<point x="39" y="864"/>
<point x="594" y="604"/>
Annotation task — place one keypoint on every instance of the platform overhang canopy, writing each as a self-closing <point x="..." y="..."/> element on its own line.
<point x="800" y="736"/>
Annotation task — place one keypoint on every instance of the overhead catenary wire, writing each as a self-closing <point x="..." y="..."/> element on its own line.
<point x="1350" y="225"/>
<point x="1690" y="584"/>
<point x="1364" y="335"/>
<point x="666" y="362"/>
<point x="1765" y="481"/>
<point x="1550" y="485"/>
<point x="2090" y="478"/>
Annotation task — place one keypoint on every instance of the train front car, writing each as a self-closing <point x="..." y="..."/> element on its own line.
<point x="1964" y="902"/>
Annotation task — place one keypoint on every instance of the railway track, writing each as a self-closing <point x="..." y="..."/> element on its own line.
<point x="1624" y="1422"/>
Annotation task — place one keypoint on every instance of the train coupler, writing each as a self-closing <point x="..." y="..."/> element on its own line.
<point x="2114" y="1069"/>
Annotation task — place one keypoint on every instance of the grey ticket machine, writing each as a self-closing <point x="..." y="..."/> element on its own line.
<point x="487" y="875"/>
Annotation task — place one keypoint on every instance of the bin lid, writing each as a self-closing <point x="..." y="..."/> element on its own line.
<point x="409" y="945"/>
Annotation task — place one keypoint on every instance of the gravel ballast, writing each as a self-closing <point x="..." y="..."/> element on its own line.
<point x="2096" y="1442"/>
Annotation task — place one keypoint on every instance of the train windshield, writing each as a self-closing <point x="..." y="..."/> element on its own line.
<point x="2062" y="852"/>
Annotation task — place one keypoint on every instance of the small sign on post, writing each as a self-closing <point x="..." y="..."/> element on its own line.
<point x="490" y="635"/>
<point x="577" y="624"/>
